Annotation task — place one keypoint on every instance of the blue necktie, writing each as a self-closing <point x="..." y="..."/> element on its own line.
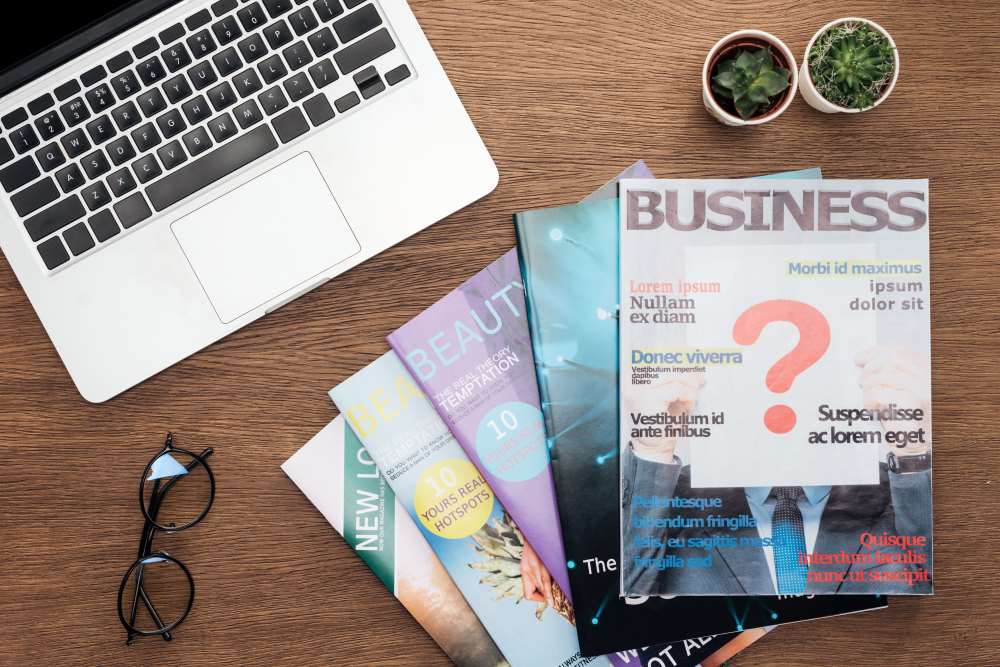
<point x="789" y="540"/>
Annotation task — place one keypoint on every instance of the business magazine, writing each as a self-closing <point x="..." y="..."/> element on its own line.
<point x="569" y="262"/>
<point x="457" y="512"/>
<point x="775" y="388"/>
<point x="336" y="474"/>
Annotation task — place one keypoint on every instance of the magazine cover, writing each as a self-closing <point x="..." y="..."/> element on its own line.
<point x="569" y="262"/>
<point x="457" y="512"/>
<point x="711" y="651"/>
<point x="471" y="354"/>
<point x="336" y="474"/>
<point x="775" y="386"/>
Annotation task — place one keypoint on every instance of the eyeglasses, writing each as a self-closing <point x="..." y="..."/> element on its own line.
<point x="156" y="575"/>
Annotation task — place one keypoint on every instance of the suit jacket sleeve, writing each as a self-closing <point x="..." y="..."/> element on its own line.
<point x="911" y="504"/>
<point x="643" y="478"/>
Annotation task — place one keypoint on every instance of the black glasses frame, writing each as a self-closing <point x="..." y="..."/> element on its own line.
<point x="149" y="528"/>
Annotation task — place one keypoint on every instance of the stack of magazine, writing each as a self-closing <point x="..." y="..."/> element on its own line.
<point x="680" y="413"/>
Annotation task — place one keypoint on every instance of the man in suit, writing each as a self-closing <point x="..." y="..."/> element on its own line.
<point x="787" y="540"/>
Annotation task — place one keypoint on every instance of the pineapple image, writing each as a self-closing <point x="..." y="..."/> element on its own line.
<point x="500" y="546"/>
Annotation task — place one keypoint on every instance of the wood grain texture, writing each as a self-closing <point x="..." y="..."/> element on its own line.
<point x="565" y="93"/>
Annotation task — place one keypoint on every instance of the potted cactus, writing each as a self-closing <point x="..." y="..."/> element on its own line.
<point x="851" y="65"/>
<point x="749" y="77"/>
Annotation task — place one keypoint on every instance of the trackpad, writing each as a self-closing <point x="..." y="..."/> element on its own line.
<point x="265" y="237"/>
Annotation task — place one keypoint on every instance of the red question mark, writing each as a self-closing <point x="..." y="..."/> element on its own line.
<point x="814" y="341"/>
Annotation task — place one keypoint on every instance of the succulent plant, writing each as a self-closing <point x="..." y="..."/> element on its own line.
<point x="851" y="64"/>
<point x="750" y="80"/>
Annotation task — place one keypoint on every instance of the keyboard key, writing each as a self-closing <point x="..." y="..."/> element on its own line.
<point x="369" y="82"/>
<point x="323" y="73"/>
<point x="151" y="71"/>
<point x="54" y="218"/>
<point x="202" y="75"/>
<point x="357" y="23"/>
<point x="104" y="225"/>
<point x="272" y="100"/>
<point x="318" y="109"/>
<point x="145" y="47"/>
<point x="214" y="166"/>
<point x="92" y="76"/>
<point x="75" y="111"/>
<point x="351" y="4"/>
<point x="40" y="104"/>
<point x="172" y="34"/>
<point x="35" y="196"/>
<point x="15" y="117"/>
<point x="100" y="129"/>
<point x="223" y="6"/>
<point x="177" y="89"/>
<point x="252" y="17"/>
<point x="126" y="116"/>
<point x="247" y="82"/>
<point x="95" y="195"/>
<point x="176" y="57"/>
<point x="172" y="155"/>
<point x="276" y="8"/>
<point x="297" y="56"/>
<point x="363" y="52"/>
<point x="395" y="75"/>
<point x="197" y="142"/>
<point x="227" y="62"/>
<point x="201" y="44"/>
<point x="120" y="151"/>
<point x="290" y="125"/>
<point x="272" y="69"/>
<point x="50" y="157"/>
<point x="171" y="123"/>
<point x="53" y="253"/>
<point x="222" y="96"/>
<point x="133" y="210"/>
<point x="348" y="101"/>
<point x="252" y="48"/>
<point x="24" y="139"/>
<point x="196" y="110"/>
<point x="125" y="84"/>
<point x="75" y="143"/>
<point x="120" y="62"/>
<point x="328" y="9"/>
<point x="121" y="182"/>
<point x="298" y="87"/>
<point x="146" y="138"/>
<point x="100" y="98"/>
<point x="146" y="168"/>
<point x="227" y="30"/>
<point x="67" y="90"/>
<point x="222" y="127"/>
<point x="322" y="42"/>
<point x="277" y="34"/>
<point x="247" y="114"/>
<point x="78" y="239"/>
<point x="151" y="102"/>
<point x="49" y="125"/>
<point x="95" y="164"/>
<point x="198" y="19"/>
<point x="302" y="20"/>
<point x="19" y="173"/>
<point x="6" y="154"/>
<point x="69" y="178"/>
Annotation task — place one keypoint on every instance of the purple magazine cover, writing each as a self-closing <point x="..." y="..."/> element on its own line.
<point x="471" y="353"/>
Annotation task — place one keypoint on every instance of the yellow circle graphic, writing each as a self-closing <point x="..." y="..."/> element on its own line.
<point x="452" y="499"/>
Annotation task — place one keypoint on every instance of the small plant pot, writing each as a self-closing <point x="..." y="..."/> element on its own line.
<point x="741" y="39"/>
<point x="816" y="100"/>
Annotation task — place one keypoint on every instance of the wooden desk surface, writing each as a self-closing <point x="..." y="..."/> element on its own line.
<point x="565" y="93"/>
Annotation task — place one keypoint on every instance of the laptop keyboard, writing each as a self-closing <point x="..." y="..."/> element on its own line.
<point x="182" y="110"/>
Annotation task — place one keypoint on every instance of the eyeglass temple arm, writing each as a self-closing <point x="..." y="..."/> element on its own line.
<point x="146" y="541"/>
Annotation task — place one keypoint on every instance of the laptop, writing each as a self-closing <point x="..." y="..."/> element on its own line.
<point x="170" y="171"/>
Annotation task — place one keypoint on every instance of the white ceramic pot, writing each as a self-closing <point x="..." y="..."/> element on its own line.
<point x="820" y="103"/>
<point x="708" y="98"/>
